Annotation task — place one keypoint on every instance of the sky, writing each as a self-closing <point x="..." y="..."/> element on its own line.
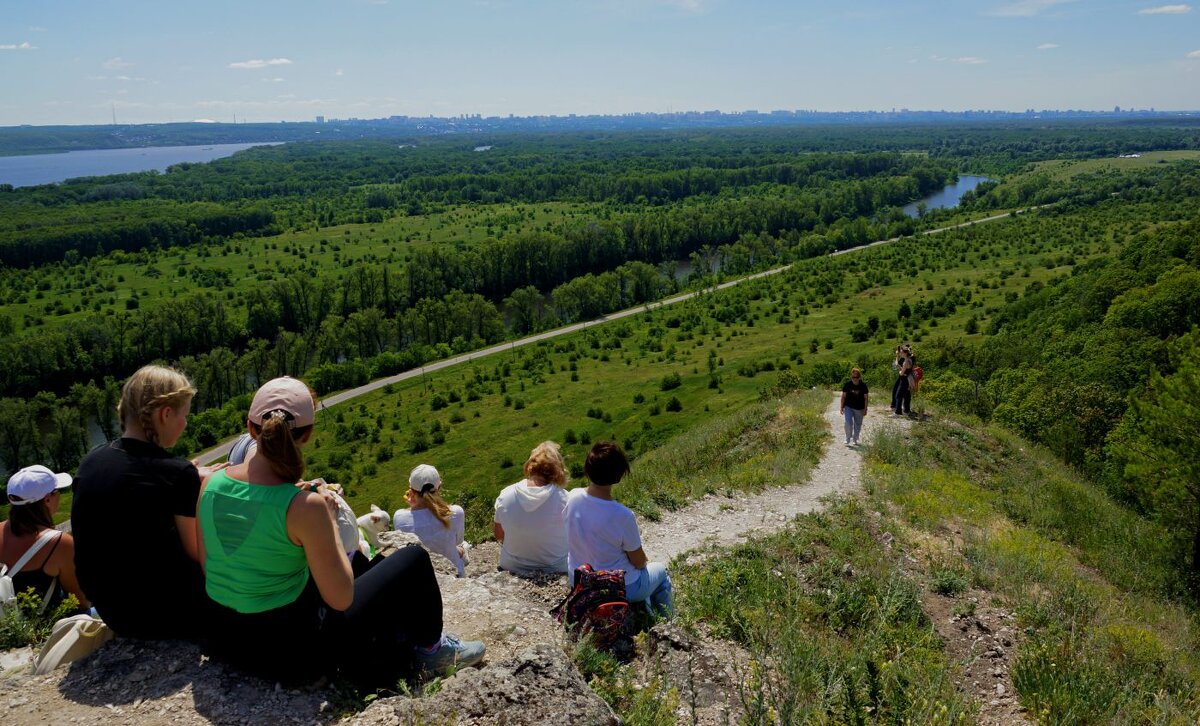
<point x="273" y="60"/>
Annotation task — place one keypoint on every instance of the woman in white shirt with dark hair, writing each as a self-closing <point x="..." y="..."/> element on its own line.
<point x="529" y="515"/>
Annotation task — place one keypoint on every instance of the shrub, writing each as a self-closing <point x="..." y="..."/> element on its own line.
<point x="948" y="581"/>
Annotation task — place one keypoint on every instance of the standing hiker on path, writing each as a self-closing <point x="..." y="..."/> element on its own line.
<point x="854" y="405"/>
<point x="902" y="388"/>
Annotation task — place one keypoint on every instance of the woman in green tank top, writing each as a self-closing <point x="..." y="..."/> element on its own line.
<point x="288" y="606"/>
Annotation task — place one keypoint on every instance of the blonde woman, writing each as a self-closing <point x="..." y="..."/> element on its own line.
<point x="440" y="526"/>
<point x="529" y="515"/>
<point x="133" y="516"/>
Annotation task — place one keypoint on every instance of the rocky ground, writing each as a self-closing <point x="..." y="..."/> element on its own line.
<point x="527" y="677"/>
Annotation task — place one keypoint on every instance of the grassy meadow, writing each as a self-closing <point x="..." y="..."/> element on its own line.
<point x="651" y="378"/>
<point x="1108" y="637"/>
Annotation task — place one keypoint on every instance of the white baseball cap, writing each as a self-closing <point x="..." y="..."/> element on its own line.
<point x="33" y="484"/>
<point x="423" y="478"/>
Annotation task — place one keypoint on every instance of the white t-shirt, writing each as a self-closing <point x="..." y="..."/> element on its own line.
<point x="433" y="534"/>
<point x="535" y="537"/>
<point x="599" y="533"/>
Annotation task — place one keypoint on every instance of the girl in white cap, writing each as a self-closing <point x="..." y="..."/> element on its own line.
<point x="38" y="557"/>
<point x="287" y="605"/>
<point x="439" y="526"/>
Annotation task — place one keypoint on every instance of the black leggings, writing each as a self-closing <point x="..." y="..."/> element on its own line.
<point x="397" y="605"/>
<point x="903" y="403"/>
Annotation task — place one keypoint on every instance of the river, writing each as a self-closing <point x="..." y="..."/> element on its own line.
<point x="949" y="196"/>
<point x="24" y="171"/>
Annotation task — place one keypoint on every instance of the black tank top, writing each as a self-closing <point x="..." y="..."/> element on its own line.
<point x="40" y="582"/>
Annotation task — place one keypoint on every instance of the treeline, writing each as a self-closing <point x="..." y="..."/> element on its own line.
<point x="364" y="182"/>
<point x="1088" y="364"/>
<point x="33" y="236"/>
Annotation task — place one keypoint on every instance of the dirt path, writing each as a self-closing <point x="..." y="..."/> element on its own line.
<point x="723" y="521"/>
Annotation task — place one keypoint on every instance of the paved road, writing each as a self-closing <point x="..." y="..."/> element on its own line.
<point x="221" y="451"/>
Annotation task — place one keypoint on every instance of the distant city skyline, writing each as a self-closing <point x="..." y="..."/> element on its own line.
<point x="270" y="60"/>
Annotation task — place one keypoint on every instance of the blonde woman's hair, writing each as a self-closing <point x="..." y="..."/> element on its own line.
<point x="546" y="462"/>
<point x="148" y="390"/>
<point x="437" y="505"/>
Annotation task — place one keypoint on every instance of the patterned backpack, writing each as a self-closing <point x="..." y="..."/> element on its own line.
<point x="596" y="605"/>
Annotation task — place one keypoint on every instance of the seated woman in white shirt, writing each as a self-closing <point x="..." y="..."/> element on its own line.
<point x="529" y="515"/>
<point x="439" y="526"/>
<point x="603" y="533"/>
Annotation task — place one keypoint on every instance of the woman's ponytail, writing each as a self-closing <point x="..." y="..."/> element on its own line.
<point x="277" y="442"/>
<point x="438" y="506"/>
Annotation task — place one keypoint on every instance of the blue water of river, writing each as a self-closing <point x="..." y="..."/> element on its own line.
<point x="23" y="171"/>
<point x="949" y="196"/>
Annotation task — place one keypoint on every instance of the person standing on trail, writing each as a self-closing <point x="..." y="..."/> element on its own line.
<point x="854" y="405"/>
<point x="902" y="389"/>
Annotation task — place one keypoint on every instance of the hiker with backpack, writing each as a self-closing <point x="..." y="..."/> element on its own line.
<point x="603" y="533"/>
<point x="33" y="554"/>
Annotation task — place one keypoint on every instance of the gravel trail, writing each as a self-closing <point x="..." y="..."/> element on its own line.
<point x="723" y="520"/>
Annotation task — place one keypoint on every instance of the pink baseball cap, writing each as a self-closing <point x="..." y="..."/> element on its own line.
<point x="285" y="394"/>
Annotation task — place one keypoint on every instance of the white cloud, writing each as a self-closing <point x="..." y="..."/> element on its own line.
<point x="692" y="6"/>
<point x="1026" y="8"/>
<point x="272" y="80"/>
<point x="339" y="72"/>
<point x="36" y="29"/>
<point x="1047" y="46"/>
<point x="1194" y="54"/>
<point x="968" y="60"/>
<point x="116" y="78"/>
<point x="1166" y="10"/>
<point x="15" y="46"/>
<point x="259" y="63"/>
<point x="115" y="64"/>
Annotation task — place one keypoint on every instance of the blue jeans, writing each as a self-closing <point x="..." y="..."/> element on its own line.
<point x="654" y="587"/>
<point x="854" y="419"/>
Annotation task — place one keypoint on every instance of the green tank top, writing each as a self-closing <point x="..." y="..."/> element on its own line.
<point x="250" y="564"/>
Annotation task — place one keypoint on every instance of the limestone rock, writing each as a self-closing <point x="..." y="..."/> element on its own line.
<point x="538" y="686"/>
